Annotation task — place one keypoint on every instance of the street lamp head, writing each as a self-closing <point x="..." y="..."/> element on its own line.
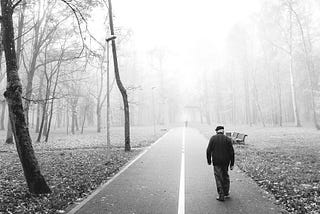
<point x="111" y="38"/>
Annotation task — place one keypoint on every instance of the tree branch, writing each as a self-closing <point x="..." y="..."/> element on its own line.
<point x="16" y="4"/>
<point x="41" y="100"/>
<point x="277" y="46"/>
<point x="76" y="11"/>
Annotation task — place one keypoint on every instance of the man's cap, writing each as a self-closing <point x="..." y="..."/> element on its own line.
<point x="219" y="128"/>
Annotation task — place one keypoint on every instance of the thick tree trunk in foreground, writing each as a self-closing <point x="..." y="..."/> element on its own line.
<point x="119" y="83"/>
<point x="9" y="137"/>
<point x="34" y="178"/>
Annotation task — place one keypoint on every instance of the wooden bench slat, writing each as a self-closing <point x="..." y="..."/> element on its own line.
<point x="237" y="137"/>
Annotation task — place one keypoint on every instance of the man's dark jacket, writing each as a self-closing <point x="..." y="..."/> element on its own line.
<point x="220" y="151"/>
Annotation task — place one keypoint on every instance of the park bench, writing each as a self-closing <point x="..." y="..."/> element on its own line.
<point x="228" y="134"/>
<point x="237" y="137"/>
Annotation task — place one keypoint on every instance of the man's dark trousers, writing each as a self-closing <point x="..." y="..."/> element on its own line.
<point x="222" y="179"/>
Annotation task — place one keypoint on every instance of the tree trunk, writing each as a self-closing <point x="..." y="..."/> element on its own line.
<point x="59" y="117"/>
<point x="84" y="118"/>
<point x="72" y="124"/>
<point x="13" y="94"/>
<point x="279" y="96"/>
<point x="73" y="119"/>
<point x="44" y="109"/>
<point x="108" y="105"/>
<point x="42" y="129"/>
<point x="256" y="99"/>
<point x="247" y="98"/>
<point x="76" y="122"/>
<point x="9" y="137"/>
<point x="98" y="118"/>
<point x="49" y="121"/>
<point x="67" y="119"/>
<point x="39" y="104"/>
<point x="292" y="80"/>
<point x="3" y="111"/>
<point x="45" y="126"/>
<point x="32" y="121"/>
<point x="2" y="77"/>
<point x="32" y="69"/>
<point x="38" y="118"/>
<point x="206" y="100"/>
<point x="20" y="30"/>
<point x="120" y="85"/>
<point x="52" y="102"/>
<point x="310" y="68"/>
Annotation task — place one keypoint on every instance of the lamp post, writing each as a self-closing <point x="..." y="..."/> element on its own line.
<point x="108" y="99"/>
<point x="153" y="112"/>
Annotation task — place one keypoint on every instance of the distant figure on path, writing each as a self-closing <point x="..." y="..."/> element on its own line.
<point x="221" y="154"/>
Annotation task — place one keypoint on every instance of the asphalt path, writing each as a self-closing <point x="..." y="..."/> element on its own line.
<point x="152" y="183"/>
<point x="246" y="196"/>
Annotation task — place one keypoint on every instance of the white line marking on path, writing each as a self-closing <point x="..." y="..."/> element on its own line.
<point x="181" y="206"/>
<point x="81" y="204"/>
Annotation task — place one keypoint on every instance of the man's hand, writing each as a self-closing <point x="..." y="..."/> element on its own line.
<point x="209" y="163"/>
<point x="231" y="167"/>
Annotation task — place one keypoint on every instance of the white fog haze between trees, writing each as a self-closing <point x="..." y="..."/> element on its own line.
<point x="258" y="58"/>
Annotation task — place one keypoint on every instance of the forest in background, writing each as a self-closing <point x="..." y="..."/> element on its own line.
<point x="267" y="73"/>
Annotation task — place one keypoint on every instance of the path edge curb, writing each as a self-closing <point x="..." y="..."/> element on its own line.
<point x="122" y="169"/>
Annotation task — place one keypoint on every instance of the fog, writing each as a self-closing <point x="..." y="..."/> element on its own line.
<point x="214" y="62"/>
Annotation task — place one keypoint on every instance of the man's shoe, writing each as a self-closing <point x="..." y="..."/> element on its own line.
<point x="227" y="196"/>
<point x="220" y="198"/>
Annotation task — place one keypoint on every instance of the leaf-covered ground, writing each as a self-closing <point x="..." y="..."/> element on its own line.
<point x="73" y="166"/>
<point x="140" y="137"/>
<point x="284" y="162"/>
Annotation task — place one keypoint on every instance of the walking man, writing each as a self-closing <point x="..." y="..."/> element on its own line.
<point x="221" y="154"/>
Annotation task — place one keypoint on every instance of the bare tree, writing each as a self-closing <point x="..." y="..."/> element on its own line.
<point x="307" y="49"/>
<point x="287" y="34"/>
<point x="119" y="83"/>
<point x="9" y="136"/>
<point x="292" y="79"/>
<point x="13" y="94"/>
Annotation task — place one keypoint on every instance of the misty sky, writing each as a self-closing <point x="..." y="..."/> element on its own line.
<point x="176" y="24"/>
<point x="192" y="32"/>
